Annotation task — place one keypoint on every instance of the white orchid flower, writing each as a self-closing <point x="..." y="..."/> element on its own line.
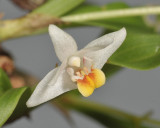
<point x="79" y="69"/>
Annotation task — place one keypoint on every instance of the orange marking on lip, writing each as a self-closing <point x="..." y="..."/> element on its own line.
<point x="93" y="80"/>
<point x="86" y="86"/>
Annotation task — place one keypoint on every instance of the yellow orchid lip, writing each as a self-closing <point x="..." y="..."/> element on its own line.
<point x="86" y="86"/>
<point x="98" y="77"/>
<point x="94" y="79"/>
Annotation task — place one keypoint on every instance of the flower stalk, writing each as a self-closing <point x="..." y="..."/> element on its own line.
<point x="106" y="115"/>
<point x="24" y="26"/>
<point x="112" y="14"/>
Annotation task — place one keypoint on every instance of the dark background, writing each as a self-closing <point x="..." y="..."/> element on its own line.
<point x="129" y="90"/>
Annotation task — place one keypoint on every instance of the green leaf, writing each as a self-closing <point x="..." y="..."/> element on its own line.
<point x="4" y="82"/>
<point x="21" y="108"/>
<point x="110" y="69"/>
<point x="57" y="7"/>
<point x="139" y="51"/>
<point x="8" y="103"/>
<point x="86" y="8"/>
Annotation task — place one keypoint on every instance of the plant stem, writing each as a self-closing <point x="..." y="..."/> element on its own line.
<point x="107" y="116"/>
<point x="112" y="14"/>
<point x="24" y="26"/>
<point x="38" y="21"/>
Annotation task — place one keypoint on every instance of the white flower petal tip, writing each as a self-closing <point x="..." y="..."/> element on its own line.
<point x="123" y="33"/>
<point x="46" y="91"/>
<point x="102" y="48"/>
<point x="30" y="103"/>
<point x="34" y="99"/>
<point x="62" y="41"/>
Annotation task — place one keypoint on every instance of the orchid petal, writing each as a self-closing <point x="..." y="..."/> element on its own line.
<point x="52" y="85"/>
<point x="45" y="92"/>
<point x="88" y="63"/>
<point x="102" y="48"/>
<point x="63" y="43"/>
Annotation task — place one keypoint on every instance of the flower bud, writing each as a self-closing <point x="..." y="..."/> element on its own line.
<point x="6" y="62"/>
